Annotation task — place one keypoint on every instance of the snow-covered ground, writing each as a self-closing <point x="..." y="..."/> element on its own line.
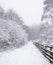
<point x="26" y="55"/>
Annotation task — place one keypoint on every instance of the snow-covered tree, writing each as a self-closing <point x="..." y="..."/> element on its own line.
<point x="10" y="14"/>
<point x="48" y="11"/>
<point x="1" y="12"/>
<point x="47" y="18"/>
<point x="12" y="33"/>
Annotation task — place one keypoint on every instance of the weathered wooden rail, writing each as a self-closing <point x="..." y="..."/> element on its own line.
<point x="44" y="50"/>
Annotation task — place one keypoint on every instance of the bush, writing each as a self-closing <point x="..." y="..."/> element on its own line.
<point x="11" y="34"/>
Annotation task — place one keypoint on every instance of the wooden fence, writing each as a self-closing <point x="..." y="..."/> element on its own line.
<point x="47" y="51"/>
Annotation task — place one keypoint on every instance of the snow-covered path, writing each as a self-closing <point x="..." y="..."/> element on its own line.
<point x="27" y="55"/>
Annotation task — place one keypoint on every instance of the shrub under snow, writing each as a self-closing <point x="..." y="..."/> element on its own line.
<point x="11" y="35"/>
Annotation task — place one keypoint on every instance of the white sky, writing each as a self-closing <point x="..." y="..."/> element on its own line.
<point x="29" y="10"/>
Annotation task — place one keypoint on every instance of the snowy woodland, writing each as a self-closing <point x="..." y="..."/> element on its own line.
<point x="44" y="31"/>
<point x="14" y="33"/>
<point x="17" y="38"/>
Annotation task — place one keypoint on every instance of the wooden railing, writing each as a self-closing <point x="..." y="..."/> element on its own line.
<point x="44" y="50"/>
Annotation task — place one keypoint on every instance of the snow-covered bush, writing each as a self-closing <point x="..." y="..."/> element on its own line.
<point x="11" y="34"/>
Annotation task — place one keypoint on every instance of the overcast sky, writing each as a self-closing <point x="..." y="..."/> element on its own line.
<point x="29" y="10"/>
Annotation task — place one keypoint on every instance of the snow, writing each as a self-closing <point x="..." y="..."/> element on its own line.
<point x="26" y="55"/>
